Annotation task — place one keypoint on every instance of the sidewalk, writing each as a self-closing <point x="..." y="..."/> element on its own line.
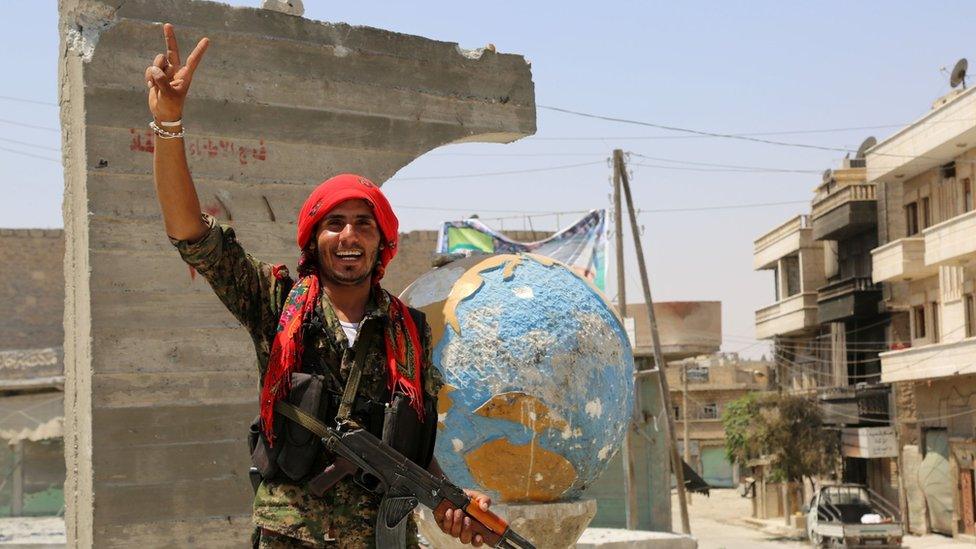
<point x="32" y="532"/>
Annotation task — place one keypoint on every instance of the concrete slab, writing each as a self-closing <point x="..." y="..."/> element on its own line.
<point x="547" y="525"/>
<point x="160" y="381"/>
<point x="615" y="538"/>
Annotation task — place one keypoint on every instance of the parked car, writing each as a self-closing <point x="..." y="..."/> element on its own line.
<point x="852" y="515"/>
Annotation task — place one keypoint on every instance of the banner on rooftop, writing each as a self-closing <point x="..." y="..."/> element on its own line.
<point x="582" y="245"/>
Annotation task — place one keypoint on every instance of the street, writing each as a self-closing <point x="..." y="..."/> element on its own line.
<point x="717" y="522"/>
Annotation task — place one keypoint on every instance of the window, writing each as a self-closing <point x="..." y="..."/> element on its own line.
<point x="949" y="170"/>
<point x="791" y="264"/>
<point x="776" y="282"/>
<point x="710" y="411"/>
<point x="918" y="322"/>
<point x="970" y="301"/>
<point x="935" y="322"/>
<point x="677" y="412"/>
<point x="911" y="218"/>
<point x="967" y="195"/>
<point x="926" y="213"/>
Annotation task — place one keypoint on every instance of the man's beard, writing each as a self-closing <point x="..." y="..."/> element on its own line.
<point x="336" y="276"/>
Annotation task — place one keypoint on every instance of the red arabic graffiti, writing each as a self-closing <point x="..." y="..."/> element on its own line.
<point x="142" y="140"/>
<point x="145" y="141"/>
<point x="212" y="149"/>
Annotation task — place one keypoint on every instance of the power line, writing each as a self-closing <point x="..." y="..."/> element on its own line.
<point x="490" y="174"/>
<point x="31" y="126"/>
<point x="731" y="166"/>
<point x="32" y="145"/>
<point x="32" y="101"/>
<point x="49" y="159"/>
<point x="702" y="133"/>
<point x="743" y="134"/>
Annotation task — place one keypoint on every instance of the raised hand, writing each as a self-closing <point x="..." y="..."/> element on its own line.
<point x="168" y="80"/>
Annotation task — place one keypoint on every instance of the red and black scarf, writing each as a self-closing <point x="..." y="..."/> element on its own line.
<point x="404" y="355"/>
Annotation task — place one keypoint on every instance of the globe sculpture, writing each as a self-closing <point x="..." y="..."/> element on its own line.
<point x="538" y="375"/>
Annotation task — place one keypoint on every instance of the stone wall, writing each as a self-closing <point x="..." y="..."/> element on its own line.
<point x="32" y="288"/>
<point x="161" y="381"/>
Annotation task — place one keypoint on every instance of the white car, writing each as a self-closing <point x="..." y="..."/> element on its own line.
<point x="851" y="515"/>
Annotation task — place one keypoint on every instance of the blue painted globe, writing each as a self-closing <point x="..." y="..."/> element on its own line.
<point x="538" y="372"/>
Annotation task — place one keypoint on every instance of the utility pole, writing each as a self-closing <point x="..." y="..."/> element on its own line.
<point x="630" y="481"/>
<point x="686" y="440"/>
<point x="676" y="463"/>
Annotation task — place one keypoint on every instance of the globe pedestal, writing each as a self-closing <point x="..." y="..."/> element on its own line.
<point x="555" y="525"/>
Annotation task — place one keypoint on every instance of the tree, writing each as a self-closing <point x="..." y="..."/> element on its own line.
<point x="738" y="422"/>
<point x="788" y="429"/>
<point x="791" y="432"/>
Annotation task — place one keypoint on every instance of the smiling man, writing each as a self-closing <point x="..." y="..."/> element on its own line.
<point x="309" y="333"/>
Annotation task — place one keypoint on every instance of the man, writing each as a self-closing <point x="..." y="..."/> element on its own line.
<point x="347" y="234"/>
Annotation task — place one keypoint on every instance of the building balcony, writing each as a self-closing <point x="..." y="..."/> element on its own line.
<point x="929" y="361"/>
<point x="846" y="211"/>
<point x="792" y="315"/>
<point x="936" y="138"/>
<point x="782" y="241"/>
<point x="855" y="404"/>
<point x="952" y="241"/>
<point x="851" y="297"/>
<point x="900" y="260"/>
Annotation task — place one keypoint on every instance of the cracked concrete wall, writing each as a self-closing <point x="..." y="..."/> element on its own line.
<point x="161" y="381"/>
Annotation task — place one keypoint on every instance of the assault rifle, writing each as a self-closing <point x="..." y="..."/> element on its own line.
<point x="403" y="483"/>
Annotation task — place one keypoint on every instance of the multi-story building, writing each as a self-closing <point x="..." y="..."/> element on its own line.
<point x="826" y="324"/>
<point x="926" y="259"/>
<point x="791" y="321"/>
<point x="844" y="218"/>
<point x="710" y="383"/>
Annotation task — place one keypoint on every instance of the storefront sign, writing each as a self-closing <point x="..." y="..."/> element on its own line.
<point x="869" y="442"/>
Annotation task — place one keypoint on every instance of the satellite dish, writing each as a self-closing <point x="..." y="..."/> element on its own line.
<point x="867" y="144"/>
<point x="959" y="73"/>
<point x="827" y="175"/>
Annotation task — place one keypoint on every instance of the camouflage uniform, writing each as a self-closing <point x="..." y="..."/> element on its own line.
<point x="255" y="296"/>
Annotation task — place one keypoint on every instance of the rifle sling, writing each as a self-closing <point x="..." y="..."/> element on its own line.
<point x="356" y="372"/>
<point x="313" y="423"/>
<point x="302" y="418"/>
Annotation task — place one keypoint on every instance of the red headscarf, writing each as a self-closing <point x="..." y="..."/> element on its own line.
<point x="403" y="368"/>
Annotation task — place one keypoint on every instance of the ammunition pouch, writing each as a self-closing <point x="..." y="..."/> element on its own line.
<point x="298" y="454"/>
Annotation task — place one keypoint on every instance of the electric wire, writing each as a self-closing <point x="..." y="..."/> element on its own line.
<point x="31" y="126"/>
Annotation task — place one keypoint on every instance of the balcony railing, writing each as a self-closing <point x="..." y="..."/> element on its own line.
<point x="952" y="240"/>
<point x="930" y="361"/>
<point x="781" y="241"/>
<point x="842" y="195"/>
<point x="902" y="259"/>
<point x="845" y="287"/>
<point x="793" y="314"/>
<point x="936" y="138"/>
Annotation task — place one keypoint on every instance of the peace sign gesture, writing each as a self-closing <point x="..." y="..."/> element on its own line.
<point x="169" y="81"/>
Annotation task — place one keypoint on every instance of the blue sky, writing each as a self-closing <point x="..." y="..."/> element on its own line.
<point x="732" y="67"/>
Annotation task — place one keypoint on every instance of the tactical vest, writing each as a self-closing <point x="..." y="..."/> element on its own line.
<point x="298" y="455"/>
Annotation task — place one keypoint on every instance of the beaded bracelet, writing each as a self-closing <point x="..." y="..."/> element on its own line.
<point x="163" y="134"/>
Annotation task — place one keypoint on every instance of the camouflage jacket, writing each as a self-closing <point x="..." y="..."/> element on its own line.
<point x="255" y="296"/>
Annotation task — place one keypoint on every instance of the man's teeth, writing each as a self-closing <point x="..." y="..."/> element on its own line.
<point x="349" y="254"/>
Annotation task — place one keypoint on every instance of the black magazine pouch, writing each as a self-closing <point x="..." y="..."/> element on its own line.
<point x="404" y="432"/>
<point x="263" y="457"/>
<point x="300" y="447"/>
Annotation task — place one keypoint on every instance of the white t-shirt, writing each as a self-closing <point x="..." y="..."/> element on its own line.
<point x="351" y="330"/>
